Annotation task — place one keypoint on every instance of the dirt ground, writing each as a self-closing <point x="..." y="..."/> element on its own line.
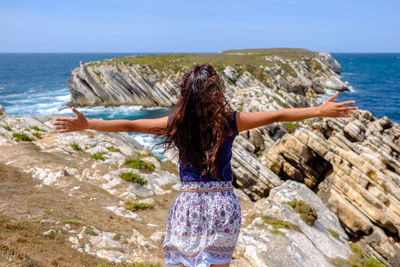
<point x="29" y="208"/>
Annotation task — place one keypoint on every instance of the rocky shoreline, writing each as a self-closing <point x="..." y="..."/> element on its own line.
<point x="345" y="170"/>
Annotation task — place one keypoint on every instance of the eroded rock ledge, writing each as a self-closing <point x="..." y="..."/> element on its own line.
<point x="150" y="80"/>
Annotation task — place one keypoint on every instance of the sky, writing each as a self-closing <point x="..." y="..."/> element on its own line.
<point x="198" y="26"/>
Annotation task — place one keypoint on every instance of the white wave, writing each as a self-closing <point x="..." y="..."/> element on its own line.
<point x="64" y="97"/>
<point x="12" y="95"/>
<point x="148" y="141"/>
<point x="351" y="88"/>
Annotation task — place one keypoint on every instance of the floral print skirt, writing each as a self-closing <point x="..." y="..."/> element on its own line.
<point x="203" y="224"/>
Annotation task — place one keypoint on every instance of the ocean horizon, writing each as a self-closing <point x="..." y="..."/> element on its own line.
<point x="35" y="84"/>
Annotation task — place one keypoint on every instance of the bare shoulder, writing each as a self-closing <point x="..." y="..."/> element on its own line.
<point x="249" y="120"/>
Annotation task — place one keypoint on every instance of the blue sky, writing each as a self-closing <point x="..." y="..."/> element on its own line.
<point x="198" y="26"/>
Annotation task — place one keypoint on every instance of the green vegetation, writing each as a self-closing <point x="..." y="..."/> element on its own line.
<point x="130" y="205"/>
<point x="277" y="223"/>
<point x="140" y="155"/>
<point x="277" y="232"/>
<point x="21" y="137"/>
<point x="358" y="259"/>
<point x="243" y="60"/>
<point x="169" y="166"/>
<point x="280" y="102"/>
<point x="136" y="163"/>
<point x="133" y="177"/>
<point x="333" y="233"/>
<point x="8" y="128"/>
<point x="291" y="126"/>
<point x="113" y="149"/>
<point x="307" y="213"/>
<point x="90" y="231"/>
<point x="37" y="134"/>
<point x="75" y="146"/>
<point x="117" y="237"/>
<point x="38" y="129"/>
<point x="99" y="155"/>
<point x="99" y="77"/>
<point x="91" y="136"/>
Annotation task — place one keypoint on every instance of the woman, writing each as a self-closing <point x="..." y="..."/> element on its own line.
<point x="204" y="219"/>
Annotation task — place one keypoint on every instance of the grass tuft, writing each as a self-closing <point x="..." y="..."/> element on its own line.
<point x="333" y="233"/>
<point x="38" y="129"/>
<point x="133" y="177"/>
<point x="307" y="213"/>
<point x="21" y="137"/>
<point x="90" y="231"/>
<point x="98" y="155"/>
<point x="131" y="205"/>
<point x="8" y="128"/>
<point x="136" y="163"/>
<point x="357" y="259"/>
<point x="113" y="149"/>
<point x="278" y="223"/>
<point x="75" y="146"/>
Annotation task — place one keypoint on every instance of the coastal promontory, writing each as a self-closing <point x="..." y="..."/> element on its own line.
<point x="317" y="192"/>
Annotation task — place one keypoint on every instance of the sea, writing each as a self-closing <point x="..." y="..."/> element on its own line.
<point x="35" y="84"/>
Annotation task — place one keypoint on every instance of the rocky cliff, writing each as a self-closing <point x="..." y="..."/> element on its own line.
<point x="150" y="80"/>
<point x="317" y="192"/>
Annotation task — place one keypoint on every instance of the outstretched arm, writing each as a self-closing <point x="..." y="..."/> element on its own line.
<point x="81" y="123"/>
<point x="250" y="120"/>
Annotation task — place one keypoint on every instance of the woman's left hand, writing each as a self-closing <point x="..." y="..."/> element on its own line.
<point x="333" y="109"/>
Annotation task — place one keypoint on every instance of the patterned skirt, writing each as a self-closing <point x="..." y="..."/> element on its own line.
<point x="203" y="224"/>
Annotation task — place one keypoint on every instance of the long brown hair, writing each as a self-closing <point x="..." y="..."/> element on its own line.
<point x="199" y="120"/>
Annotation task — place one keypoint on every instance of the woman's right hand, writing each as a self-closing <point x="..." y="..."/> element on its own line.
<point x="333" y="109"/>
<point x="72" y="124"/>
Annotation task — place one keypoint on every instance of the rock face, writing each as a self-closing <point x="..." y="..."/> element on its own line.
<point x="119" y="85"/>
<point x="348" y="169"/>
<point x="268" y="244"/>
<point x="69" y="191"/>
<point x="354" y="167"/>
<point x="118" y="82"/>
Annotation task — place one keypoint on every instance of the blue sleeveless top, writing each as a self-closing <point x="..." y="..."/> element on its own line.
<point x="224" y="155"/>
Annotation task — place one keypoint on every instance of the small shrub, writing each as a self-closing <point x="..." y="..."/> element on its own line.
<point x="8" y="128"/>
<point x="37" y="134"/>
<point x="89" y="230"/>
<point x="75" y="146"/>
<point x="307" y="213"/>
<point x="139" y="164"/>
<point x="98" y="155"/>
<point x="357" y="259"/>
<point x="38" y="129"/>
<point x="117" y="237"/>
<point x="91" y="136"/>
<point x="21" y="137"/>
<point x="356" y="249"/>
<point x="133" y="177"/>
<point x="130" y="205"/>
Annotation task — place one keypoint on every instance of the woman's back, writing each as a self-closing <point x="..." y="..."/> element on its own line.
<point x="224" y="155"/>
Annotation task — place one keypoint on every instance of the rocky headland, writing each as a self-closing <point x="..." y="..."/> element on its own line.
<point x="317" y="192"/>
